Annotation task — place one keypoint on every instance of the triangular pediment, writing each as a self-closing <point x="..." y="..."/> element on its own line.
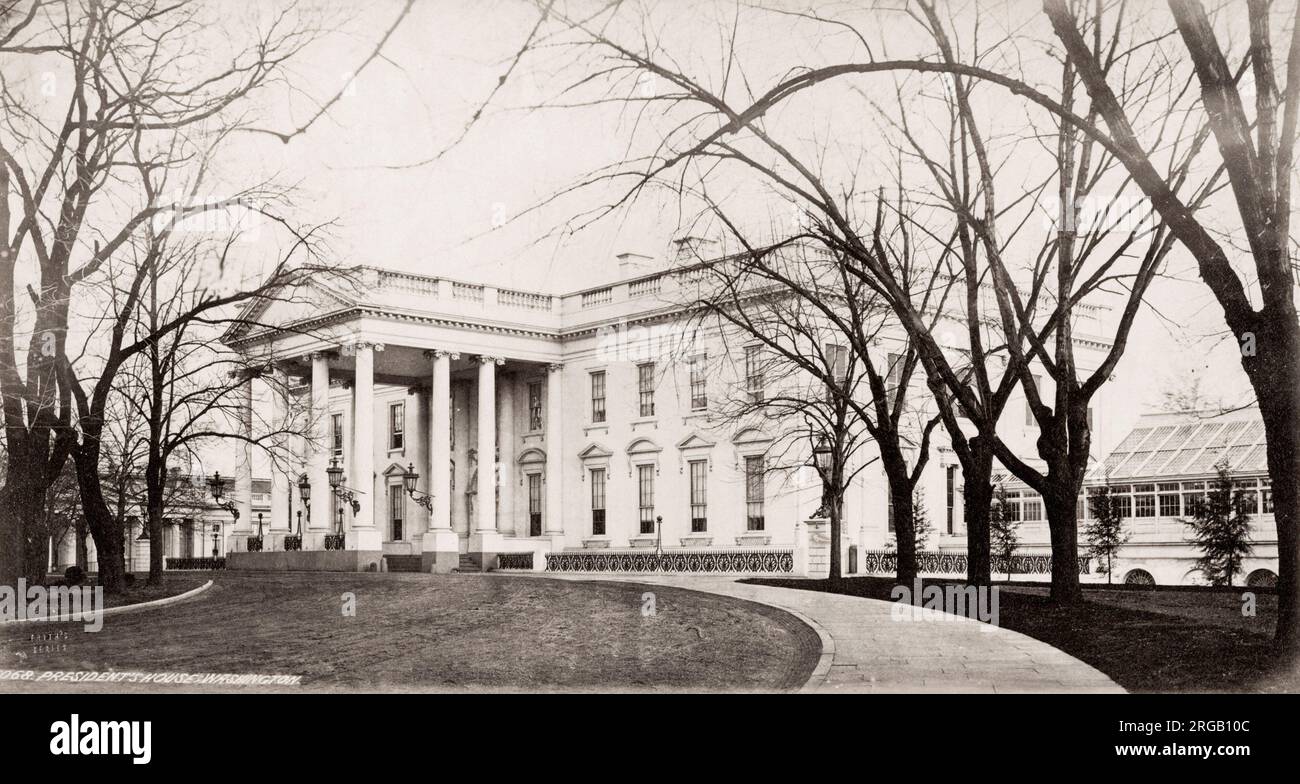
<point x="694" y="441"/>
<point x="594" y="450"/>
<point x="304" y="302"/>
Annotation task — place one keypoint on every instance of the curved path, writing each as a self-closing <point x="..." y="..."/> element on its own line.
<point x="865" y="649"/>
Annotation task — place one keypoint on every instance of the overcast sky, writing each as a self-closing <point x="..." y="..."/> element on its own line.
<point x="359" y="167"/>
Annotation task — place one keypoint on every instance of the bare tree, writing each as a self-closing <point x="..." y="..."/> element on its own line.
<point x="817" y="322"/>
<point x="148" y="98"/>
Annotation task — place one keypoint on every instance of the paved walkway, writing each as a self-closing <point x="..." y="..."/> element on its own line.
<point x="864" y="649"/>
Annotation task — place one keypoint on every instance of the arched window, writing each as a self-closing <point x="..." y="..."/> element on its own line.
<point x="1139" y="577"/>
<point x="1261" y="578"/>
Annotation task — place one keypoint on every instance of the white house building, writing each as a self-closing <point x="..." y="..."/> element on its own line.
<point x="607" y="446"/>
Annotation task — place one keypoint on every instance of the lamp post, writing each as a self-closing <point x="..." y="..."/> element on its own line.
<point x="216" y="536"/>
<point x="409" y="480"/>
<point x="822" y="454"/>
<point x="259" y="525"/>
<point x="341" y="491"/>
<point x="304" y="493"/>
<point x="217" y="486"/>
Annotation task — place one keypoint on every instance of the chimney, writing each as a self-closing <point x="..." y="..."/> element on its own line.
<point x="690" y="248"/>
<point x="633" y="264"/>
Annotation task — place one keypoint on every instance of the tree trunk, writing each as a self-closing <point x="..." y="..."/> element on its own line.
<point x="82" y="552"/>
<point x="19" y="502"/>
<point x="155" y="542"/>
<point x="1063" y="524"/>
<point x="904" y="530"/>
<point x="1281" y="414"/>
<point x="977" y="495"/>
<point x="155" y="484"/>
<point x="105" y="529"/>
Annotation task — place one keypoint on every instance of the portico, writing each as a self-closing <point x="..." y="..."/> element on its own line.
<point x="375" y="409"/>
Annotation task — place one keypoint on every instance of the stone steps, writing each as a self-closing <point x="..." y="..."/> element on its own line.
<point x="469" y="563"/>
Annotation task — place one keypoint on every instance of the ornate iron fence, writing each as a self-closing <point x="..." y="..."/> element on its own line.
<point x="254" y="544"/>
<point x="292" y="543"/>
<point x="515" y="561"/>
<point x="182" y="564"/>
<point x="886" y="562"/>
<point x="334" y="541"/>
<point x="759" y="561"/>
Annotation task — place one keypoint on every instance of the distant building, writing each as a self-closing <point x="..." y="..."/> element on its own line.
<point x="1169" y="459"/>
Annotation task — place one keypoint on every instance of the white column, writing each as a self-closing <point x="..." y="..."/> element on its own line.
<point x="277" y="388"/>
<point x="485" y="542"/>
<point x="363" y="534"/>
<point x="244" y="527"/>
<point x="506" y="522"/>
<point x="553" y="513"/>
<point x="441" y="547"/>
<point x="487" y="444"/>
<point x="439" y="474"/>
<point x="322" y="506"/>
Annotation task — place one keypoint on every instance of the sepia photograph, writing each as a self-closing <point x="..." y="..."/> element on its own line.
<point x="928" y="357"/>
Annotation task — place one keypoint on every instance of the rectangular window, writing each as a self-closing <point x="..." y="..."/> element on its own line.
<point x="1030" y="421"/>
<point x="1169" y="500"/>
<point x="951" y="492"/>
<point x="645" y="387"/>
<point x="754" y="373"/>
<point x="645" y="497"/>
<point x="1266" y="495"/>
<point x="699" y="388"/>
<point x="699" y="497"/>
<point x="396" y="426"/>
<point x="1123" y="500"/>
<point x="535" y="406"/>
<point x="336" y="428"/>
<point x="889" y="512"/>
<point x="1033" y="509"/>
<point x="597" y="502"/>
<point x="893" y="375"/>
<point x="1144" y="500"/>
<point x="837" y="358"/>
<point x="1249" y="495"/>
<point x="1013" y="506"/>
<point x="534" y="504"/>
<point x="598" y="396"/>
<point x="1191" y="492"/>
<point x="754" y="493"/>
<point x="396" y="497"/>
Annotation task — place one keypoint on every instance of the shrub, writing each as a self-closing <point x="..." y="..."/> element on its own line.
<point x="74" y="575"/>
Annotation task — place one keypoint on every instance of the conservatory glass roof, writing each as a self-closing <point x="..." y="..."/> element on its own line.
<point x="1188" y="445"/>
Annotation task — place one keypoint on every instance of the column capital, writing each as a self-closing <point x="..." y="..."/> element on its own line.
<point x="483" y="359"/>
<point x="353" y="346"/>
<point x="434" y="353"/>
<point x="554" y="367"/>
<point x="326" y="354"/>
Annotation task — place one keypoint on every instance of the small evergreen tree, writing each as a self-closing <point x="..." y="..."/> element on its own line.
<point x="921" y="526"/>
<point x="921" y="521"/>
<point x="1221" y="529"/>
<point x="1105" y="531"/>
<point x="1002" y="530"/>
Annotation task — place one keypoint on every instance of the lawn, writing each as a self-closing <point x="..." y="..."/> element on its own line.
<point x="420" y="632"/>
<point x="1151" y="640"/>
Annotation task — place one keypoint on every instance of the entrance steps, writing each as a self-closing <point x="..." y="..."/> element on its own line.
<point x="469" y="563"/>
